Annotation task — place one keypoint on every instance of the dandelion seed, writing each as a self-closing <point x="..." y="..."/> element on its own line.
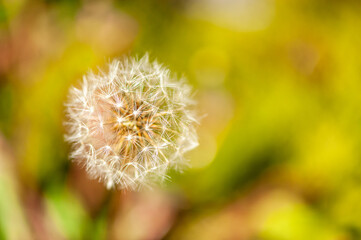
<point x="119" y="119"/>
<point x="130" y="124"/>
<point x="129" y="137"/>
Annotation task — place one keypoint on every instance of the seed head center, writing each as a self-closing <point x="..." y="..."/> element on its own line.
<point x="130" y="125"/>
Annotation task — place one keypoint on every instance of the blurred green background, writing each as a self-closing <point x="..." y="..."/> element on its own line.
<point x="278" y="83"/>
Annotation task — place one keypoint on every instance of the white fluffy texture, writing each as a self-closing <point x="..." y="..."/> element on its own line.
<point x="129" y="125"/>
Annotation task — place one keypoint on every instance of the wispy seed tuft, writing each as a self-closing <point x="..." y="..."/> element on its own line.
<point x="130" y="124"/>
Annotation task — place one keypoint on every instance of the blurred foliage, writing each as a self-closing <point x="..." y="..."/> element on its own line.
<point x="278" y="87"/>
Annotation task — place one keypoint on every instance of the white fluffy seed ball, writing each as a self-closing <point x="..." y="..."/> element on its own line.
<point x="130" y="124"/>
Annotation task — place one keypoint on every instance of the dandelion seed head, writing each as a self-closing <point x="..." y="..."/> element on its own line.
<point x="130" y="124"/>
